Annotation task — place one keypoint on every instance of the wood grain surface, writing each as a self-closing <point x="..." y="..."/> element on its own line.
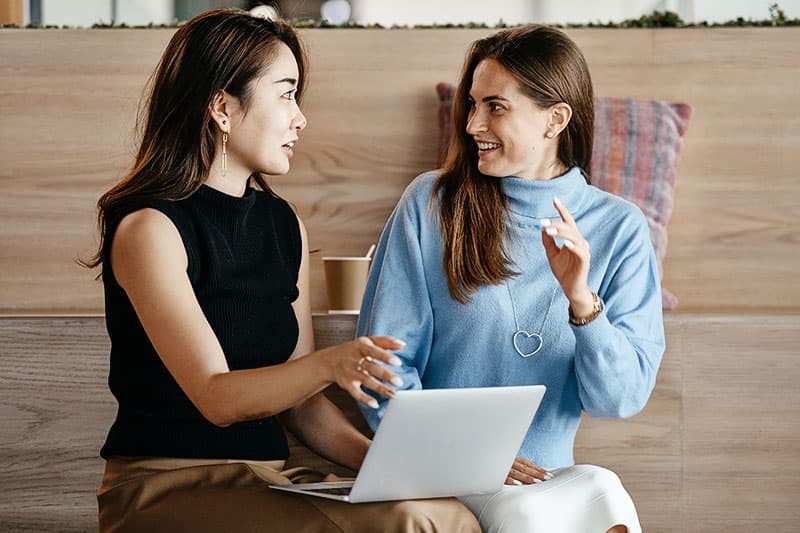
<point x="715" y="450"/>
<point x="69" y="101"/>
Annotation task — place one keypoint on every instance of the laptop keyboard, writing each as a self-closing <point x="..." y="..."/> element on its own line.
<point x="340" y="491"/>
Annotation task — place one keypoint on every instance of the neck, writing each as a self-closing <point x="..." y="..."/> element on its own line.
<point x="233" y="183"/>
<point x="546" y="171"/>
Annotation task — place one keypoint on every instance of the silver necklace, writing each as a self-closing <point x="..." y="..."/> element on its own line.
<point x="521" y="333"/>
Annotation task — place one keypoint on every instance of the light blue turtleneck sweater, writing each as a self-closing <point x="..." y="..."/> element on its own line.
<point x="606" y="368"/>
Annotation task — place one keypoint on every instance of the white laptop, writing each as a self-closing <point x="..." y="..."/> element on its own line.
<point x="439" y="442"/>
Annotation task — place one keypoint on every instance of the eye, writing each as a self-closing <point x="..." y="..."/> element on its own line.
<point x="471" y="103"/>
<point x="290" y="95"/>
<point x="494" y="107"/>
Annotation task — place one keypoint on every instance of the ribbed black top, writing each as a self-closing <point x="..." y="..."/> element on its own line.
<point x="244" y="257"/>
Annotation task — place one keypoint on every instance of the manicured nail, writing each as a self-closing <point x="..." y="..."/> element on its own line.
<point x="548" y="476"/>
<point x="390" y="393"/>
<point x="551" y="231"/>
<point x="395" y="361"/>
<point x="569" y="244"/>
<point x="537" y="480"/>
<point x="396" y="381"/>
<point x="516" y="482"/>
<point x="556" y="200"/>
<point x="401" y="343"/>
<point x="373" y="403"/>
<point x="544" y="222"/>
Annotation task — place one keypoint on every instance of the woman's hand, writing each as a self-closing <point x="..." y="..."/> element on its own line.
<point x="570" y="263"/>
<point x="356" y="363"/>
<point x="524" y="472"/>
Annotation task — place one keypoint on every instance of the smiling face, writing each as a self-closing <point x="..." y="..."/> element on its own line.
<point x="262" y="137"/>
<point x="509" y="129"/>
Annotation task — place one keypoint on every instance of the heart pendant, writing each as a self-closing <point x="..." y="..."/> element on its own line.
<point x="527" y="335"/>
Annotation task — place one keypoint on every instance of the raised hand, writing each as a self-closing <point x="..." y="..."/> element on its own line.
<point x="570" y="263"/>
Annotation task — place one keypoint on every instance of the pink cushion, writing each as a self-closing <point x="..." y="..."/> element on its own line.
<point x="636" y="149"/>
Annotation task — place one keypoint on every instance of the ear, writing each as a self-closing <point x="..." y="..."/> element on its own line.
<point x="220" y="108"/>
<point x="560" y="115"/>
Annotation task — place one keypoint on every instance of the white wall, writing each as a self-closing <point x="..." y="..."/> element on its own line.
<point x="143" y="12"/>
<point x="411" y="12"/>
<point x="87" y="12"/>
<point x="721" y="11"/>
<point x="76" y="12"/>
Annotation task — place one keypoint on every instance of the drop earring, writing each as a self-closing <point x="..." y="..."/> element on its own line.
<point x="224" y="154"/>
<point x="224" y="150"/>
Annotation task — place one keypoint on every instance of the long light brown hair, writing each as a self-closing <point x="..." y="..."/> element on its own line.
<point x="474" y="209"/>
<point x="221" y="50"/>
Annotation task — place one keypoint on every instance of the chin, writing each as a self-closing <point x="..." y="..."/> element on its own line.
<point x="276" y="170"/>
<point x="490" y="170"/>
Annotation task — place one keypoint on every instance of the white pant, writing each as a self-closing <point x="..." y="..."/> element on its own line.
<point x="579" y="499"/>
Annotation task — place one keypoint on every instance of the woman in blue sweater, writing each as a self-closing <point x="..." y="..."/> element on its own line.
<point x="484" y="269"/>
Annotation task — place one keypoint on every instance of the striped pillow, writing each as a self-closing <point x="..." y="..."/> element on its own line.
<point x="636" y="149"/>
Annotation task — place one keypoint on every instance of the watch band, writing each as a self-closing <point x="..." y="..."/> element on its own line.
<point x="583" y="320"/>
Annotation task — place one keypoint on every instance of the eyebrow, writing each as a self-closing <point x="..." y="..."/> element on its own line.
<point x="490" y="98"/>
<point x="290" y="81"/>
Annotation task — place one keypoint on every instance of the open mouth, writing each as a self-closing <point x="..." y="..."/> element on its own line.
<point x="486" y="148"/>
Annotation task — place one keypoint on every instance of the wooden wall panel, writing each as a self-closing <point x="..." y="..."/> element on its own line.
<point x="68" y="109"/>
<point x="741" y="423"/>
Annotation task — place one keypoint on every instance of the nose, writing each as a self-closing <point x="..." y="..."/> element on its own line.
<point x="475" y="122"/>
<point x="299" y="122"/>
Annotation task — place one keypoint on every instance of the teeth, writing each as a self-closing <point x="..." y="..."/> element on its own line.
<point x="290" y="144"/>
<point x="488" y="146"/>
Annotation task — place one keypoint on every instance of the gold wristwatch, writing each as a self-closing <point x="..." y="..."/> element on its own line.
<point x="583" y="320"/>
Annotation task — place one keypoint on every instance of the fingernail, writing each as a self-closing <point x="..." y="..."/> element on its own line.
<point x="556" y="200"/>
<point x="544" y="222"/>
<point x="551" y="231"/>
<point x="537" y="480"/>
<point x="569" y="244"/>
<point x="373" y="403"/>
<point x="516" y="482"/>
<point x="548" y="476"/>
<point x="396" y="381"/>
<point x="401" y="343"/>
<point x="390" y="393"/>
<point x="394" y="361"/>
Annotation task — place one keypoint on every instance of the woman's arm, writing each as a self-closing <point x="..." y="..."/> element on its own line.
<point x="317" y="422"/>
<point x="320" y="424"/>
<point x="149" y="262"/>
<point x="617" y="353"/>
<point x="396" y="298"/>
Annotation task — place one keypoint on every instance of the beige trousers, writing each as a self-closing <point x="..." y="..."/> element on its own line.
<point x="161" y="494"/>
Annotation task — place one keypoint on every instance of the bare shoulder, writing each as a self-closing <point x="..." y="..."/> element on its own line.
<point x="146" y="240"/>
<point x="301" y="224"/>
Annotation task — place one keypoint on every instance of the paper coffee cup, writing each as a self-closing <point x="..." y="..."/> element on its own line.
<point x="345" y="281"/>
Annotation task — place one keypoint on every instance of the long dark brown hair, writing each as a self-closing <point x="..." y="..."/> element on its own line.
<point x="474" y="210"/>
<point x="221" y="50"/>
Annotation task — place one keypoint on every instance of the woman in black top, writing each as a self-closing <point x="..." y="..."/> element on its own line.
<point x="207" y="306"/>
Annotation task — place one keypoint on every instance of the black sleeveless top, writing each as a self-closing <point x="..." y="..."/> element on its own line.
<point x="244" y="258"/>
